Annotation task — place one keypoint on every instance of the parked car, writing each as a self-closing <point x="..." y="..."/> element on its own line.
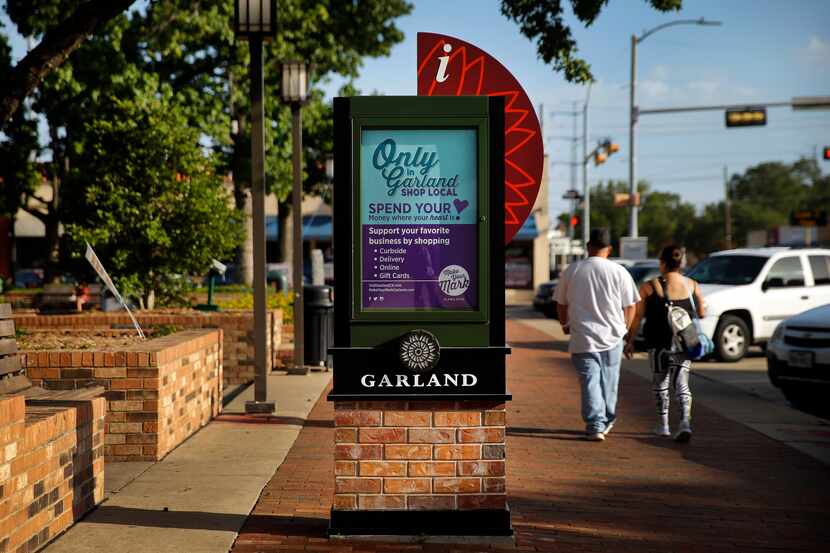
<point x="645" y="270"/>
<point x="749" y="291"/>
<point x="543" y="300"/>
<point x="798" y="354"/>
<point x="28" y="278"/>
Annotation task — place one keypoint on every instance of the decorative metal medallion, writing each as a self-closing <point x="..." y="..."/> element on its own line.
<point x="419" y="351"/>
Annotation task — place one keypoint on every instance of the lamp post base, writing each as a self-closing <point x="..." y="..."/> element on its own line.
<point x="301" y="369"/>
<point x="260" y="407"/>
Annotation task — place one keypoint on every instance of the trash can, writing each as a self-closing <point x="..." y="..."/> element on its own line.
<point x="318" y="319"/>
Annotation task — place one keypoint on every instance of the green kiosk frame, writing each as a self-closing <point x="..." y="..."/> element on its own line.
<point x="419" y="273"/>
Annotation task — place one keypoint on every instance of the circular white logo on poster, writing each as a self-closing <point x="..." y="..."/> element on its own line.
<point x="454" y="280"/>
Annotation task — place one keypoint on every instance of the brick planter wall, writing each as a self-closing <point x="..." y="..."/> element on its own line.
<point x="419" y="456"/>
<point x="237" y="328"/>
<point x="159" y="392"/>
<point x="51" y="468"/>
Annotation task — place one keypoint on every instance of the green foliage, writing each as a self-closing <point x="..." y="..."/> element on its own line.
<point x="243" y="298"/>
<point x="543" y="21"/>
<point x="146" y="196"/>
<point x="762" y="198"/>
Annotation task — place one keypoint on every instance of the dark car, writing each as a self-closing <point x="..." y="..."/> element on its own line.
<point x="543" y="300"/>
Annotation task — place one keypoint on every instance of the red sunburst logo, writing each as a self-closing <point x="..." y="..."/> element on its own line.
<point x="470" y="71"/>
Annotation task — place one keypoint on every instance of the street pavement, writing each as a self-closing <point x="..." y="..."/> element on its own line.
<point x="740" y="391"/>
<point x="731" y="489"/>
<point x="198" y="497"/>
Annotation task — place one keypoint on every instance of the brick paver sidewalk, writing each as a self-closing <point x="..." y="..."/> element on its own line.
<point x="730" y="489"/>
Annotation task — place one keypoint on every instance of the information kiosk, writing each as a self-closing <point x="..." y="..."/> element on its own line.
<point x="419" y="339"/>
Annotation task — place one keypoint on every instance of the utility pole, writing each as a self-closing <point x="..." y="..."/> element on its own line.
<point x="632" y="160"/>
<point x="586" y="193"/>
<point x="727" y="208"/>
<point x="571" y="227"/>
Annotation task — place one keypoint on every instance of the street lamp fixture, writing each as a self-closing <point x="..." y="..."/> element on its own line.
<point x="330" y="168"/>
<point x="255" y="21"/>
<point x="294" y="82"/>
<point x="295" y="93"/>
<point x="633" y="110"/>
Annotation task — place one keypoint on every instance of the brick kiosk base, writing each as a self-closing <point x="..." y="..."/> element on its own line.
<point x="420" y="467"/>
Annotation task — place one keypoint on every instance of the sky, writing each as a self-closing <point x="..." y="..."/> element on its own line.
<point x="764" y="51"/>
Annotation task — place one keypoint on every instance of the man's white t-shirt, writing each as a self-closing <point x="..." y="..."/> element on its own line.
<point x="596" y="291"/>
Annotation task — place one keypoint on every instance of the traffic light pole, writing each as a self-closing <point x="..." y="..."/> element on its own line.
<point x="586" y="193"/>
<point x="632" y="158"/>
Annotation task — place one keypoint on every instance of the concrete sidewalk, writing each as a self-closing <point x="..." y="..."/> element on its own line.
<point x="730" y="489"/>
<point x="198" y="497"/>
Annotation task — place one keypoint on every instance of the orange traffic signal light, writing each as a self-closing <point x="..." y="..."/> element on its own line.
<point x="747" y="117"/>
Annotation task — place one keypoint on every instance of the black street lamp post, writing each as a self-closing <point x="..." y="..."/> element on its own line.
<point x="295" y="93"/>
<point x="255" y="21"/>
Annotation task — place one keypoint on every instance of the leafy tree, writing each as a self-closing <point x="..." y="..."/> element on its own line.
<point x="191" y="46"/>
<point x="543" y="21"/>
<point x="151" y="201"/>
<point x="60" y="36"/>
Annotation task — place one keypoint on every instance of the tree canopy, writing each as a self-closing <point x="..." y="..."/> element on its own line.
<point x="543" y="21"/>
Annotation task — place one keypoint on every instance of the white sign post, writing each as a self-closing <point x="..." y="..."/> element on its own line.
<point x="634" y="248"/>
<point x="99" y="268"/>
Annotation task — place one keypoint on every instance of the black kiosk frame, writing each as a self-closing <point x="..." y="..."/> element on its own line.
<point x="461" y="350"/>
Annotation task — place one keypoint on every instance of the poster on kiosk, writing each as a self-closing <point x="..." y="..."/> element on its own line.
<point x="420" y="300"/>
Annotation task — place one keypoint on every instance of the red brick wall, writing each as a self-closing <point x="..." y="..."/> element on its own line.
<point x="419" y="456"/>
<point x="237" y="328"/>
<point x="158" y="392"/>
<point x="51" y="468"/>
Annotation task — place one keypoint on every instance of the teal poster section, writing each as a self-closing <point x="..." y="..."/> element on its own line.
<point x="419" y="218"/>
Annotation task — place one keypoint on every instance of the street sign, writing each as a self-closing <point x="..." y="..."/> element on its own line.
<point x="808" y="218"/>
<point x="571" y="195"/>
<point x="634" y="248"/>
<point x="560" y="246"/>
<point x="624" y="199"/>
<point x="746" y="117"/>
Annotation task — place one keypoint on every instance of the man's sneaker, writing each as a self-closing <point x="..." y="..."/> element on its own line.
<point x="608" y="427"/>
<point x="595" y="436"/>
<point x="662" y="429"/>
<point x="684" y="432"/>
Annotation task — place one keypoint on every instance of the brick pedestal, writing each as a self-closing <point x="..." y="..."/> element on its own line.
<point x="420" y="467"/>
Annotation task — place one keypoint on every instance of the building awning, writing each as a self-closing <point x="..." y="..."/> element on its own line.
<point x="528" y="230"/>
<point x="315" y="227"/>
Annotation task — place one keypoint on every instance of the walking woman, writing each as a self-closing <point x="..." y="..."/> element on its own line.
<point x="669" y="364"/>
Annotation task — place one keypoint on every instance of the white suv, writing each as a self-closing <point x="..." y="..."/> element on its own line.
<point x="749" y="291"/>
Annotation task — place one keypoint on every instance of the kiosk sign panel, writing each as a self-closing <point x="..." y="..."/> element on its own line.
<point x="419" y="219"/>
<point x="419" y="261"/>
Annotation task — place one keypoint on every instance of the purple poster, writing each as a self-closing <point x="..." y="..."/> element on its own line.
<point x="419" y="219"/>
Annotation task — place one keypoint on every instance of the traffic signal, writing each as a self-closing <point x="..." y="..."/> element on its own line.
<point x="574" y="220"/>
<point x="746" y="117"/>
<point x="827" y="153"/>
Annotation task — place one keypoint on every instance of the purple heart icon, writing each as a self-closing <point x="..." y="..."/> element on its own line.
<point x="460" y="205"/>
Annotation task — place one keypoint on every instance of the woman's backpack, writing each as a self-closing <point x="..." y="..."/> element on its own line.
<point x="687" y="336"/>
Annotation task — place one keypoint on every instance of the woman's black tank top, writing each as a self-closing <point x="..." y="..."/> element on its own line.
<point x="657" y="333"/>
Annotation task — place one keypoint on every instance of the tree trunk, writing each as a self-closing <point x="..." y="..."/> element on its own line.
<point x="286" y="233"/>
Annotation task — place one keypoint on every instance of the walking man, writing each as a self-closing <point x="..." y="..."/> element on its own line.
<point x="597" y="299"/>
